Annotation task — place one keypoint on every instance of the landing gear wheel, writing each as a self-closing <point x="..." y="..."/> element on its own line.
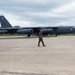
<point x="55" y="35"/>
<point x="28" y="35"/>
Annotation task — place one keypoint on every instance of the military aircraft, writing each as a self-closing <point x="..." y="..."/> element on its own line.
<point x="6" y="27"/>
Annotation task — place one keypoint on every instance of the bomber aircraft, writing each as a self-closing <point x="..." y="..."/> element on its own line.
<point x="6" y="27"/>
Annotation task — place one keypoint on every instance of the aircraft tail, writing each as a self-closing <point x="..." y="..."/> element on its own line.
<point x="4" y="22"/>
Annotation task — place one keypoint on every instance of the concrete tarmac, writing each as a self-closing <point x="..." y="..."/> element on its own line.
<point x="22" y="56"/>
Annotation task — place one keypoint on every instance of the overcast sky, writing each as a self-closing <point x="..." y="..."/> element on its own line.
<point x="26" y="13"/>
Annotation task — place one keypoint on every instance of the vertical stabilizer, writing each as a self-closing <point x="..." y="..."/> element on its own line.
<point x="4" y="23"/>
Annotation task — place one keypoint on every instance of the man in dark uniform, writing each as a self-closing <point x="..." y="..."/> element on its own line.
<point x="41" y="39"/>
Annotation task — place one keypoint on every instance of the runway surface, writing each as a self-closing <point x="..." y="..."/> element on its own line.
<point x="22" y="56"/>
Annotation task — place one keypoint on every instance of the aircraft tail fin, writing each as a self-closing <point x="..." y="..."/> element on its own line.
<point x="4" y="22"/>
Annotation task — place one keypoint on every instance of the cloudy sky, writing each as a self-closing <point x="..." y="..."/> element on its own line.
<point x="26" y="13"/>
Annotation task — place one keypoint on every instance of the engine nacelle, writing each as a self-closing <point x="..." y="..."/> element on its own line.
<point x="47" y="31"/>
<point x="3" y="31"/>
<point x="24" y="31"/>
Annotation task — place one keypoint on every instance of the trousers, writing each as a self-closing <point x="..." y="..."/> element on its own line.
<point x="40" y="40"/>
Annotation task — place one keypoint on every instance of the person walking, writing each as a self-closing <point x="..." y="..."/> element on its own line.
<point x="41" y="39"/>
